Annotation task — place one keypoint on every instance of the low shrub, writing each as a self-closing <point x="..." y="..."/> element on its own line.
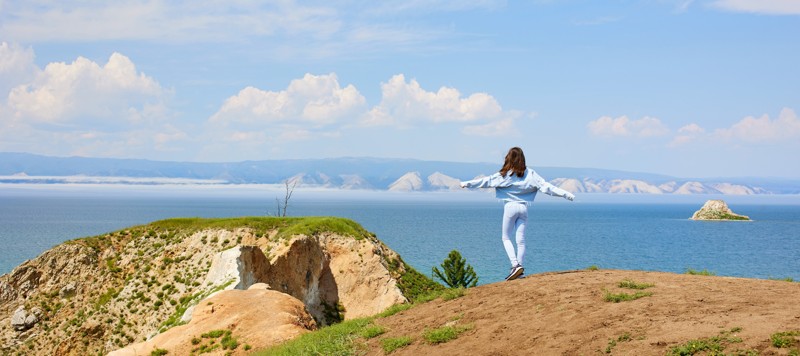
<point x="704" y="272"/>
<point x="624" y="297"/>
<point x="444" y="334"/>
<point x="391" y="344"/>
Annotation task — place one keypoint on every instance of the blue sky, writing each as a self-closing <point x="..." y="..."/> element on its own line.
<point x="703" y="88"/>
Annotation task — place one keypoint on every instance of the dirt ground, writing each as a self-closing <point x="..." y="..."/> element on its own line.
<point x="565" y="314"/>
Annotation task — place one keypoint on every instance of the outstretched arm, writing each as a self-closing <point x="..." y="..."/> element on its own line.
<point x="550" y="189"/>
<point x="491" y="181"/>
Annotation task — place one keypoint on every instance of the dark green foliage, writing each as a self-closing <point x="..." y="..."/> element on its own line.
<point x="333" y="313"/>
<point x="415" y="285"/>
<point x="158" y="352"/>
<point x="457" y="273"/>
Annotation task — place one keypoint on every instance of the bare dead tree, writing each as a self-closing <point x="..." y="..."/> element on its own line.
<point x="284" y="205"/>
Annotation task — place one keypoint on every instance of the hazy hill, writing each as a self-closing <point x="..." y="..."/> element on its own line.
<point x="367" y="173"/>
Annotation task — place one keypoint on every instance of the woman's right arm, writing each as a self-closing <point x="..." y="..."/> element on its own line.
<point x="491" y="181"/>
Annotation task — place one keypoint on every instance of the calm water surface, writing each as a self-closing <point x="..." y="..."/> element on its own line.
<point x="648" y="235"/>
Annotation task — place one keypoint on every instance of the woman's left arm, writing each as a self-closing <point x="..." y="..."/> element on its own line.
<point x="550" y="189"/>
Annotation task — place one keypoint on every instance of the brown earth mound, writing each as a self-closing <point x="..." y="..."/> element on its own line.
<point x="566" y="314"/>
<point x="257" y="317"/>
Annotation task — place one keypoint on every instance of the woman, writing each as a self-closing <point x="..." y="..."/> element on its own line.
<point x="516" y="185"/>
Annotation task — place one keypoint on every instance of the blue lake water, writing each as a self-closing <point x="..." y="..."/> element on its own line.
<point x="621" y="233"/>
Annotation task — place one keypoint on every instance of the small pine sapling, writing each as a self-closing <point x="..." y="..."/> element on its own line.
<point x="457" y="273"/>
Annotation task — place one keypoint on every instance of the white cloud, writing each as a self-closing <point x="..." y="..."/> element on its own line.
<point x="318" y="100"/>
<point x="169" y="135"/>
<point x="82" y="92"/>
<point x="686" y="134"/>
<point x="683" y="5"/>
<point x="623" y="126"/>
<point x="285" y="29"/>
<point x="691" y="129"/>
<point x="392" y="7"/>
<point x="770" y="7"/>
<point x="405" y="102"/>
<point x="498" y="128"/>
<point x="83" y="108"/>
<point x="749" y="130"/>
<point x="30" y="21"/>
<point x="763" y="129"/>
<point x="246" y="137"/>
<point x="16" y="66"/>
<point x="295" y="135"/>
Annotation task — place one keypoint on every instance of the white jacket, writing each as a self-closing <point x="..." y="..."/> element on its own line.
<point x="516" y="189"/>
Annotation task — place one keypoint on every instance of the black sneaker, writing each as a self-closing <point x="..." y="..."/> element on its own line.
<point x="516" y="271"/>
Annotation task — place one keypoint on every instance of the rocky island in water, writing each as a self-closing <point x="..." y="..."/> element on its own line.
<point x="717" y="210"/>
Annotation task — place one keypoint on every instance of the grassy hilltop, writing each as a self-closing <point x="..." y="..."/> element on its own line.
<point x="96" y="294"/>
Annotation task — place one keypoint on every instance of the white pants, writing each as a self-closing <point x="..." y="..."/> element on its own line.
<point x="515" y="215"/>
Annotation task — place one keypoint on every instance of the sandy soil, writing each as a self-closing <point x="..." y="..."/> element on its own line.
<point x="565" y="314"/>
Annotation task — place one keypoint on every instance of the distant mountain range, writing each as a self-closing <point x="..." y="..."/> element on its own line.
<point x="358" y="173"/>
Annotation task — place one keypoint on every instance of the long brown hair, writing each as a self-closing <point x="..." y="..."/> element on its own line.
<point x="515" y="162"/>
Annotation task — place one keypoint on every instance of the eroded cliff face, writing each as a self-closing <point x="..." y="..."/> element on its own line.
<point x="99" y="294"/>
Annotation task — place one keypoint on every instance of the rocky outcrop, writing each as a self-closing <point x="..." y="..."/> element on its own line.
<point x="256" y="317"/>
<point x="99" y="294"/>
<point x="716" y="210"/>
<point x="24" y="320"/>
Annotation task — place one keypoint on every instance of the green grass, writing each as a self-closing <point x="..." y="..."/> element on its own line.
<point x="624" y="297"/>
<point x="338" y="339"/>
<point x="444" y="334"/>
<point x="787" y="279"/>
<point x="106" y="297"/>
<point x="718" y="215"/>
<point x="785" y="339"/>
<point x="414" y="285"/>
<point x="372" y="331"/>
<point x="287" y="226"/>
<point x="394" y="309"/>
<point x="627" y="283"/>
<point x="391" y="344"/>
<point x="453" y="293"/>
<point x="711" y="345"/>
<point x="213" y="334"/>
<point x="186" y="302"/>
<point x="613" y="342"/>
<point x="592" y="268"/>
<point x="261" y="225"/>
<point x="343" y="338"/>
<point x="704" y="272"/>
<point x="208" y="341"/>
